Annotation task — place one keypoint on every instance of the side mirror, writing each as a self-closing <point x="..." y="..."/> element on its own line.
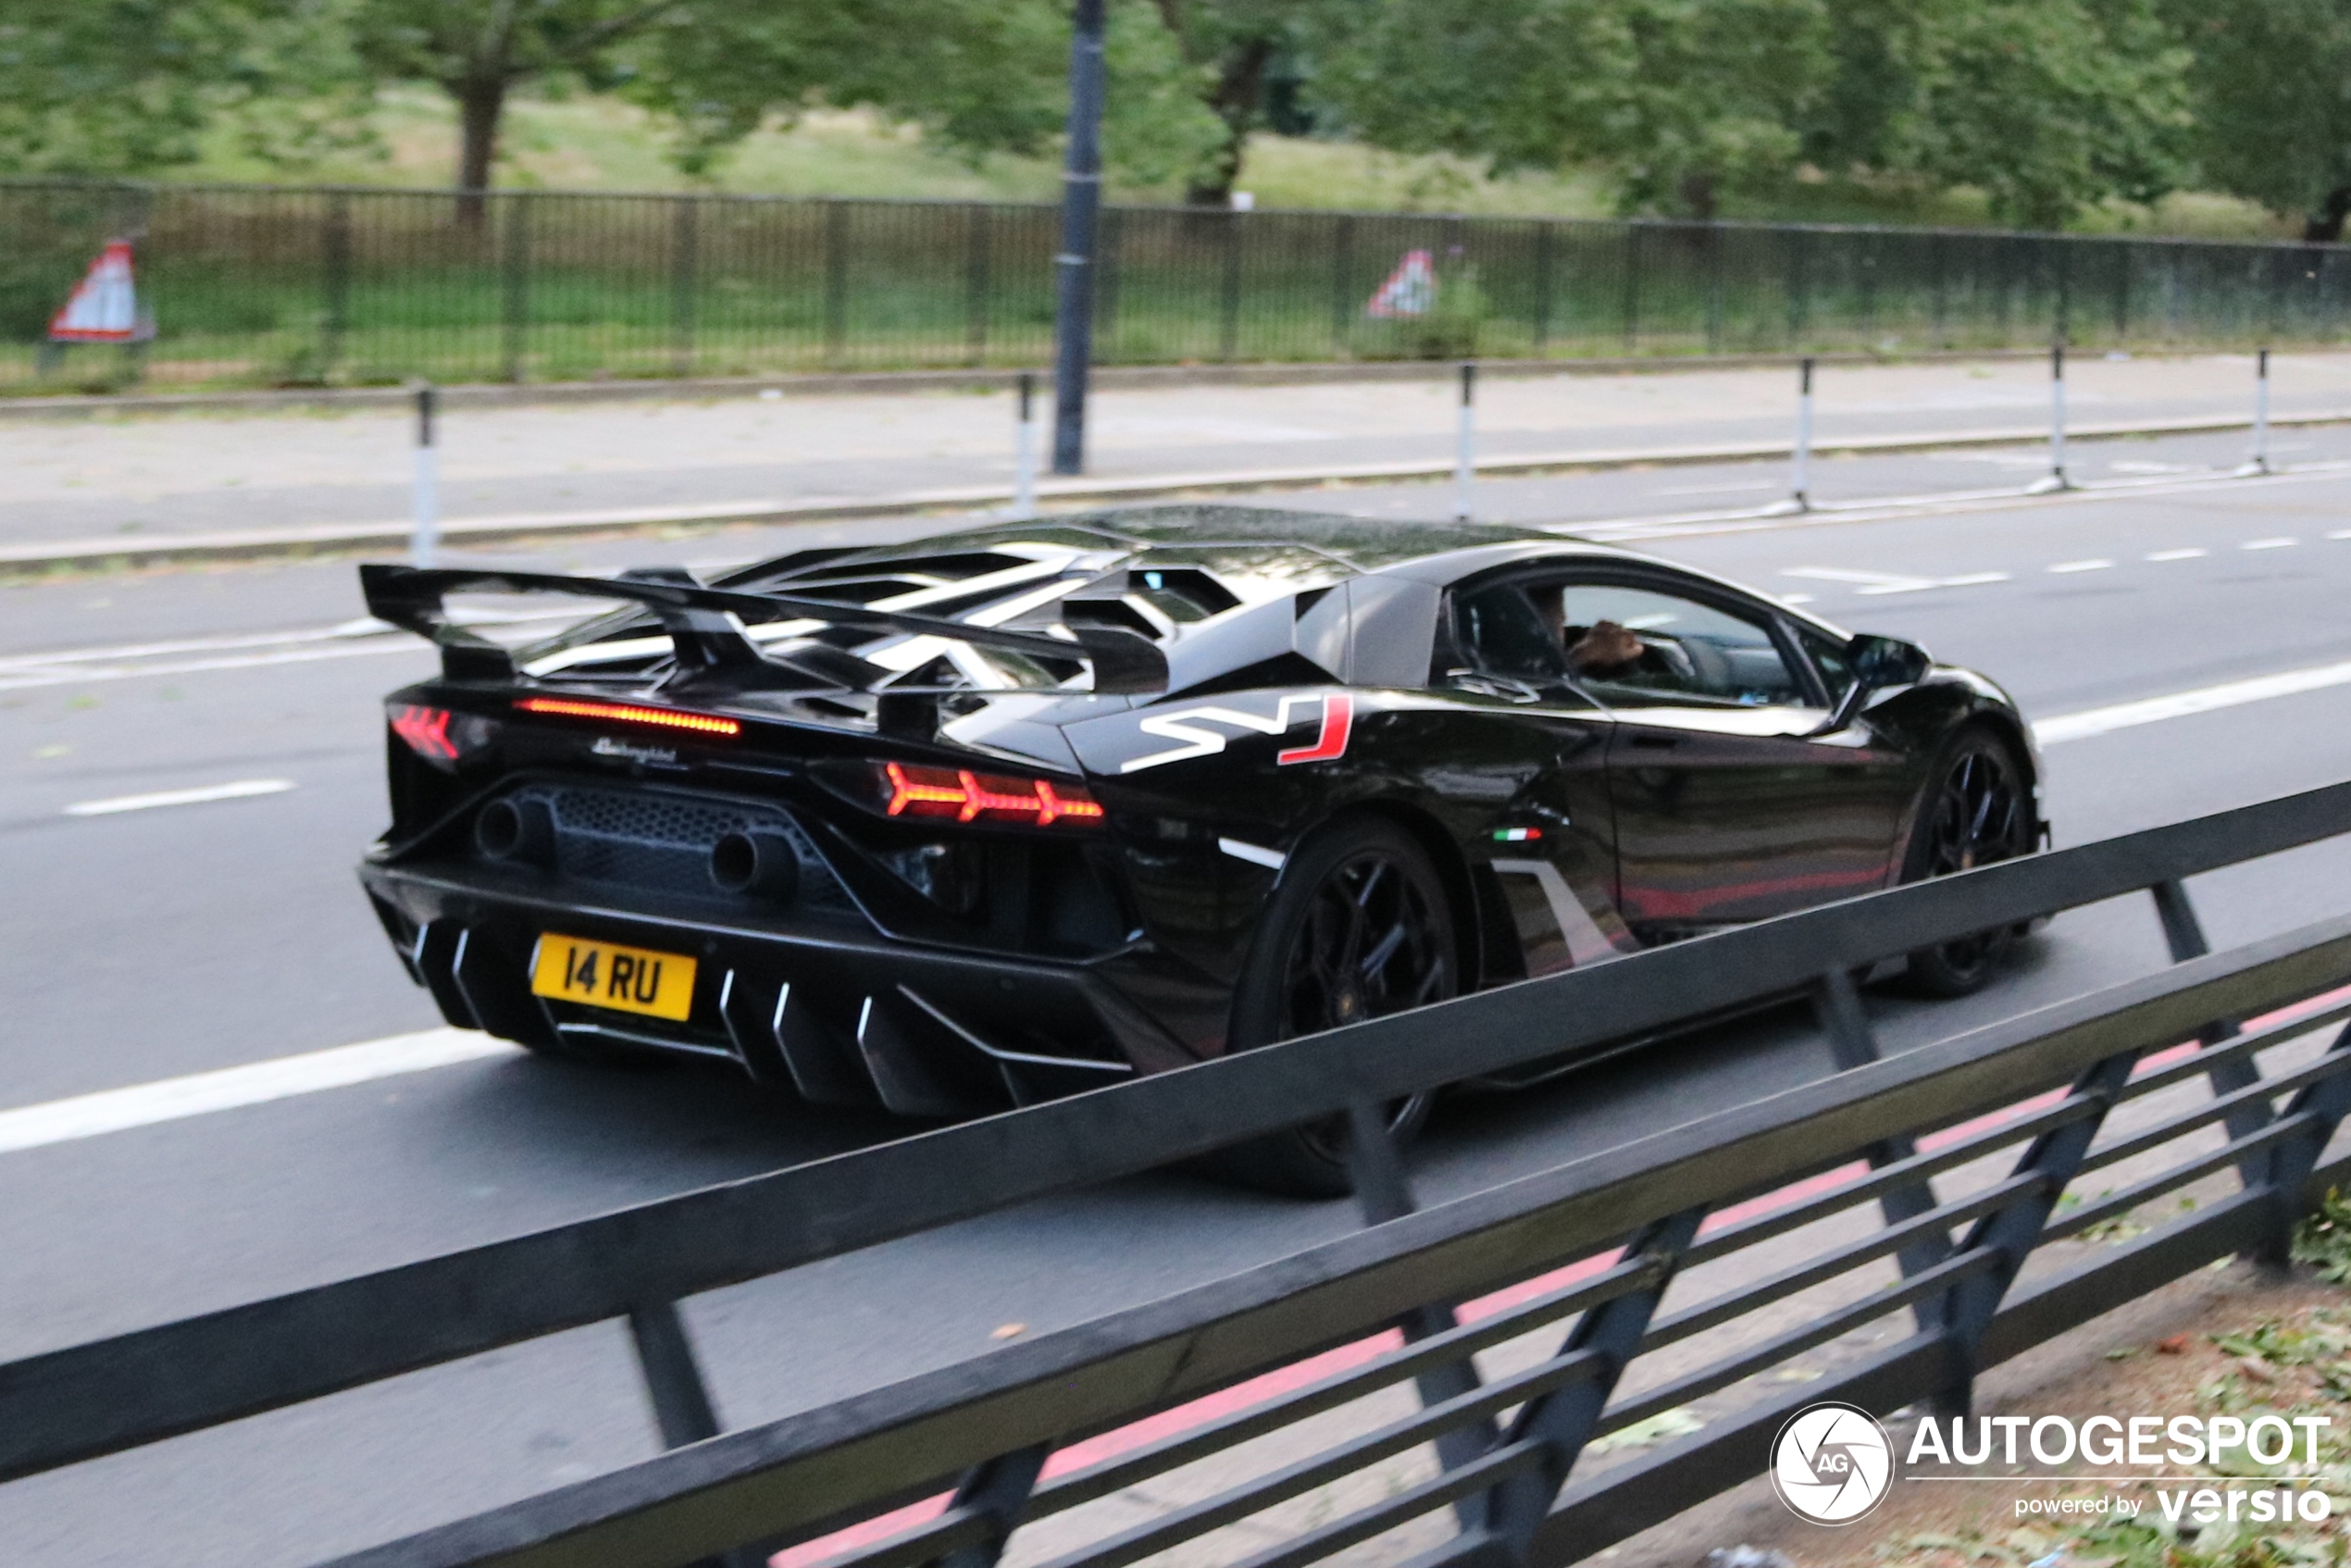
<point x="1877" y="663"/>
<point x="1880" y="662"/>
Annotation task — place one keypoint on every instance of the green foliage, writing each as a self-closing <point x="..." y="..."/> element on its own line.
<point x="1678" y="98"/>
<point x="2272" y="80"/>
<point x="2046" y="106"/>
<point x="128" y="86"/>
<point x="2323" y="1239"/>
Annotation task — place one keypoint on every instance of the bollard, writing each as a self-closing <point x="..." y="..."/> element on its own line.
<point x="1025" y="451"/>
<point x="1802" y="476"/>
<point x="2260" y="462"/>
<point x="424" y="499"/>
<point x="1465" y="445"/>
<point x="2058" y="478"/>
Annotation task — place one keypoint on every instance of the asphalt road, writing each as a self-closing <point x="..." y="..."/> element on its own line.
<point x="148" y="944"/>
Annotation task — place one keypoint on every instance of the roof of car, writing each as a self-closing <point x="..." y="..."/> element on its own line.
<point x="1257" y="539"/>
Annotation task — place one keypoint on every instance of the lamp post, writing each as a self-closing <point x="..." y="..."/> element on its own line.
<point x="1073" y="266"/>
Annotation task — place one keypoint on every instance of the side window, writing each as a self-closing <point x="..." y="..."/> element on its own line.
<point x="1829" y="658"/>
<point x="1500" y="633"/>
<point x="1636" y="645"/>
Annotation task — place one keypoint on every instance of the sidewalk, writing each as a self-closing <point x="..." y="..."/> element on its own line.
<point x="133" y="481"/>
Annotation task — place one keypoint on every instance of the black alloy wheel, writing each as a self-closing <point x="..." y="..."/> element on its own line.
<point x="1359" y="927"/>
<point x="1977" y="810"/>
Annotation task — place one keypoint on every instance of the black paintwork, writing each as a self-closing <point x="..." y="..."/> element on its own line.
<point x="941" y="968"/>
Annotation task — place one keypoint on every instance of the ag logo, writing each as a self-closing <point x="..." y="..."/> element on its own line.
<point x="1832" y="1463"/>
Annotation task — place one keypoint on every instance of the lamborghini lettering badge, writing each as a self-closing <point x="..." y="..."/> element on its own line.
<point x="1190" y="725"/>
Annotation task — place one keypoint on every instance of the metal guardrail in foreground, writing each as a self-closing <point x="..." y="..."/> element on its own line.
<point x="1597" y="1241"/>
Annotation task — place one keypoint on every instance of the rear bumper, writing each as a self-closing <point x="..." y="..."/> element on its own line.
<point x="839" y="1015"/>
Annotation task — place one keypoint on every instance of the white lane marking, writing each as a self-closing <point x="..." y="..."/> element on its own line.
<point x="1840" y="574"/>
<point x="239" y="790"/>
<point x="227" y="1089"/>
<point x="1796" y="598"/>
<point x="2192" y="554"/>
<point x="86" y="673"/>
<point x="2267" y="544"/>
<point x="1966" y="579"/>
<point x="2081" y="566"/>
<point x="2179" y="705"/>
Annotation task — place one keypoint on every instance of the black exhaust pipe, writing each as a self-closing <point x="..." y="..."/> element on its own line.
<point x="517" y="830"/>
<point x="762" y="864"/>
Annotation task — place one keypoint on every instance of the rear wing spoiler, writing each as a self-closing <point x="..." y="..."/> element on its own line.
<point x="706" y="626"/>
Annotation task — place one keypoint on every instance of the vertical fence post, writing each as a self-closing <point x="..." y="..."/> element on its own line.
<point x="683" y="1409"/>
<point x="1938" y="246"/>
<point x="1714" y="237"/>
<point x="835" y="284"/>
<point x="424" y="498"/>
<point x="2123" y="257"/>
<point x="516" y="308"/>
<point x="1800" y="477"/>
<point x="1342" y="284"/>
<point x="1632" y="287"/>
<point x="2260" y="461"/>
<point x="1229" y="336"/>
<point x="1465" y="444"/>
<point x="1383" y="1193"/>
<point x="2061" y="327"/>
<point x="976" y="241"/>
<point x="1798" y="286"/>
<point x="1024" y="449"/>
<point x="336" y="326"/>
<point x="685" y="273"/>
<point x="1546" y="240"/>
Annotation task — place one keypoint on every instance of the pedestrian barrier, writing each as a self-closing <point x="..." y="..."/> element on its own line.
<point x="294" y="286"/>
<point x="1689" y="1264"/>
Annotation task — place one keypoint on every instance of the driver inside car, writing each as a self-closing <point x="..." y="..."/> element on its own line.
<point x="1602" y="650"/>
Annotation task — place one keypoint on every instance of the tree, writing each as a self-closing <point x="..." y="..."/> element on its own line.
<point x="1231" y="48"/>
<point x="2272" y="81"/>
<point x="2046" y="106"/>
<point x="1677" y="99"/>
<point x="114" y="87"/>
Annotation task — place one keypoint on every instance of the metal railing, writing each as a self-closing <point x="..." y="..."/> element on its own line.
<point x="1751" y="1208"/>
<point x="254" y="285"/>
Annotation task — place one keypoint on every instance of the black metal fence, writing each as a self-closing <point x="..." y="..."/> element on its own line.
<point x="257" y="286"/>
<point x="1688" y="1266"/>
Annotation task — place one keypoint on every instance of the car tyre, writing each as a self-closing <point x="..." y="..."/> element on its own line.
<point x="1358" y="927"/>
<point x="1977" y="809"/>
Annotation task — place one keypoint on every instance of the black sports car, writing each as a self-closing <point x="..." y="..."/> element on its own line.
<point x="1014" y="812"/>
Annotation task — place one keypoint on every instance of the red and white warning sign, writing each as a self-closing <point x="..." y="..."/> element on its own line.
<point x="1411" y="290"/>
<point x="104" y="307"/>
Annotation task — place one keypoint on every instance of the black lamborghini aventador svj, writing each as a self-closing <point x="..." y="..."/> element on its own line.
<point x="1003" y="814"/>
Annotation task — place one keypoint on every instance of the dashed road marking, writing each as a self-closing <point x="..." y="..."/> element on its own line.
<point x="242" y="789"/>
<point x="2063" y="566"/>
<point x="229" y="1089"/>
<point x="2195" y="553"/>
<point x="2268" y="544"/>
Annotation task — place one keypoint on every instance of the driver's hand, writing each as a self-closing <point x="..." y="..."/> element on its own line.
<point x="1605" y="647"/>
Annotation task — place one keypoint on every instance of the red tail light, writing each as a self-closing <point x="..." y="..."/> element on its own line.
<point x="964" y="796"/>
<point x="426" y="732"/>
<point x="624" y="713"/>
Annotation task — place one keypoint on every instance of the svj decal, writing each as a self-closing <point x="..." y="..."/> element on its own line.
<point x="1191" y="725"/>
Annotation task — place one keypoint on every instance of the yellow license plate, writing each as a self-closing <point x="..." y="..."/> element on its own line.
<point x="631" y="980"/>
